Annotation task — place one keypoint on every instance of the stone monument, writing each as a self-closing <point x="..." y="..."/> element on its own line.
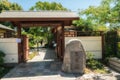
<point x="74" y="57"/>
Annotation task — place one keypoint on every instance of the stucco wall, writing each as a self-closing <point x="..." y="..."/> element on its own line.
<point x="10" y="47"/>
<point x="91" y="44"/>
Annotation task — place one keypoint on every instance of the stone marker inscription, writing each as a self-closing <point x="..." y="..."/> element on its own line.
<point x="74" y="58"/>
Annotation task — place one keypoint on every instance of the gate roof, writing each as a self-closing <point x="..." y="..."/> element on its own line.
<point x="13" y="16"/>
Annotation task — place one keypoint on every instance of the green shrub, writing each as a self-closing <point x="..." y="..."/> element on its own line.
<point x="2" y="55"/>
<point x="4" y="71"/>
<point x="92" y="63"/>
<point x="110" y="46"/>
<point x="1" y="69"/>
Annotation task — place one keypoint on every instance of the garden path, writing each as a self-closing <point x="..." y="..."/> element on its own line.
<point x="44" y="66"/>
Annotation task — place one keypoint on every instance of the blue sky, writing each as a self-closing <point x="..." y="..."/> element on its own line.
<point x="73" y="5"/>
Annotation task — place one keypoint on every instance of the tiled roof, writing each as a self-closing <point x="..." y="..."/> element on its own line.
<point x="5" y="27"/>
<point x="38" y="14"/>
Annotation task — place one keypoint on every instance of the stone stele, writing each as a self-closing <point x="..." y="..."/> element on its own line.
<point x="74" y="57"/>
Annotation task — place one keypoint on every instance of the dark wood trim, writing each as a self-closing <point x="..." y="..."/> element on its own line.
<point x="38" y="19"/>
<point x="40" y="23"/>
<point x="18" y="31"/>
<point x="103" y="46"/>
<point x="16" y="23"/>
<point x="63" y="41"/>
<point x="19" y="44"/>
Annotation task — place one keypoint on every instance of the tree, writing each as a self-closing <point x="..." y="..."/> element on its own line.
<point x="47" y="6"/>
<point x="6" y="5"/>
<point x="98" y="16"/>
<point x="83" y="25"/>
<point x="116" y="16"/>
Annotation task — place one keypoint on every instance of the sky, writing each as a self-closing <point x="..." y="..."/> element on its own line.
<point x="73" y="5"/>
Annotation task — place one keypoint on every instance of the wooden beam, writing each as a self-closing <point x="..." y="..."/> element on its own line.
<point x="36" y="19"/>
<point x="16" y="23"/>
<point x="40" y="23"/>
<point x="18" y="32"/>
<point x="67" y="23"/>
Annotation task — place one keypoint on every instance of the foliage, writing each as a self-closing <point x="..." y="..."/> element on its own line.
<point x="1" y="69"/>
<point x="111" y="43"/>
<point x="6" y="5"/>
<point x="2" y="55"/>
<point x="102" y="71"/>
<point x="36" y="34"/>
<point x="83" y="25"/>
<point x="92" y="63"/>
<point x="47" y="6"/>
<point x="115" y="26"/>
<point x="107" y="13"/>
<point x="4" y="70"/>
<point x="39" y="33"/>
<point x="118" y="49"/>
<point x="118" y="43"/>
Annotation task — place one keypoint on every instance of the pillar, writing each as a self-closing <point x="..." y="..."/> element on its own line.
<point x="63" y="41"/>
<point x="19" y="44"/>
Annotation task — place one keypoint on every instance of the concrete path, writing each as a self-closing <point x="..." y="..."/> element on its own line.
<point x="44" y="66"/>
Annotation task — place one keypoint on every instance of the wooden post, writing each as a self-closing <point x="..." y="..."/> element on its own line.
<point x="25" y="47"/>
<point x="103" y="46"/>
<point x="19" y="32"/>
<point x="19" y="44"/>
<point x="56" y="42"/>
<point x="63" y="41"/>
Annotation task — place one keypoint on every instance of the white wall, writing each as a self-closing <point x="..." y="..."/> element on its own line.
<point x="92" y="44"/>
<point x="10" y="47"/>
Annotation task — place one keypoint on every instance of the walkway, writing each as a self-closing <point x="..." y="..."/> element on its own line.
<point x="44" y="66"/>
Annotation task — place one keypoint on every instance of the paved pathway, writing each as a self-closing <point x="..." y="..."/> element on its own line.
<point x="44" y="66"/>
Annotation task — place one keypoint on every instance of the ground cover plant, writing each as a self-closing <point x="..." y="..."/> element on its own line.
<point x="94" y="65"/>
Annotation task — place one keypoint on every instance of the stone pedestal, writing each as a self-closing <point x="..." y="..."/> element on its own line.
<point x="74" y="57"/>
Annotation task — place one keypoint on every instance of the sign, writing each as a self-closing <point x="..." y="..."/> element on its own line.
<point x="18" y="40"/>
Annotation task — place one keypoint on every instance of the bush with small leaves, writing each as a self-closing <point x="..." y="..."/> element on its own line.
<point x="92" y="63"/>
<point x="2" y="55"/>
<point x="1" y="69"/>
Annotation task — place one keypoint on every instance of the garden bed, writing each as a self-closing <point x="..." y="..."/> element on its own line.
<point x="32" y="55"/>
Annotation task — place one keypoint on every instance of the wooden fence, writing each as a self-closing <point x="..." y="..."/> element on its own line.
<point x="73" y="33"/>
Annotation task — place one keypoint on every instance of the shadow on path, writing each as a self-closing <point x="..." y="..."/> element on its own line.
<point x="44" y="64"/>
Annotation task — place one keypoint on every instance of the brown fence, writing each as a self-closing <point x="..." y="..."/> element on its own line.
<point x="82" y="33"/>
